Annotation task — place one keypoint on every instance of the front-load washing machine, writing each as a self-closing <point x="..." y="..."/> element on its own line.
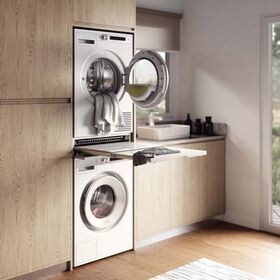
<point x="103" y="215"/>
<point x="104" y="63"/>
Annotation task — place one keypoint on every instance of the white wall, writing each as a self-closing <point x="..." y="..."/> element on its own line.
<point x="221" y="71"/>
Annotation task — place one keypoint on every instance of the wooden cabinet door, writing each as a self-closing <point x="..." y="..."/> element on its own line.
<point x="187" y="197"/>
<point x="198" y="186"/>
<point x="35" y="187"/>
<point x="152" y="199"/>
<point x="105" y="13"/>
<point x="35" y="49"/>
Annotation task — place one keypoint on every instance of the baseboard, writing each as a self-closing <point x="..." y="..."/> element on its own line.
<point x="43" y="272"/>
<point x="242" y="220"/>
<point x="173" y="233"/>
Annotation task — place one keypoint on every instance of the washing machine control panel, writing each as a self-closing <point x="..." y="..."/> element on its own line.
<point x="113" y="37"/>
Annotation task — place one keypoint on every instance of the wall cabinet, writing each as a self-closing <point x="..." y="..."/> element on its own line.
<point x="35" y="187"/>
<point x="181" y="191"/>
<point x="105" y="13"/>
<point x="35" y="49"/>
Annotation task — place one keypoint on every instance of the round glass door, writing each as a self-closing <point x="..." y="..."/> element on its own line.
<point x="147" y="79"/>
<point x="103" y="77"/>
<point x="103" y="202"/>
<point x="102" y="73"/>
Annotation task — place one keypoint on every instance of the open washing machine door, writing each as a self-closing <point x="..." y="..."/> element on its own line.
<point x="103" y="202"/>
<point x="148" y="89"/>
<point x="104" y="72"/>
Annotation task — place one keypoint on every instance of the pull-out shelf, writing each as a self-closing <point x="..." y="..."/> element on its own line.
<point x="127" y="150"/>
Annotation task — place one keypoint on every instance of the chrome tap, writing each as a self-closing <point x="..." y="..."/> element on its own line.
<point x="152" y="119"/>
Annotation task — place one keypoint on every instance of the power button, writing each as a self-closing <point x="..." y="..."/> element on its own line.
<point x="104" y="37"/>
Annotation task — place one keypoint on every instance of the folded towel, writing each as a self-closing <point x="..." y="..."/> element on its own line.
<point x="107" y="113"/>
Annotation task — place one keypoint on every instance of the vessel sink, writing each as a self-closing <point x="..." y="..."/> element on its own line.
<point x="163" y="132"/>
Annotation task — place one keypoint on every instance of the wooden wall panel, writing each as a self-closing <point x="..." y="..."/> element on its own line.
<point x="35" y="187"/>
<point x="35" y="49"/>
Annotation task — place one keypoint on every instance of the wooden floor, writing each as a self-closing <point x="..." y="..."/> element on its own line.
<point x="247" y="250"/>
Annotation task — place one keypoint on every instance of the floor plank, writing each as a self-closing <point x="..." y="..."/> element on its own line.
<point x="248" y="250"/>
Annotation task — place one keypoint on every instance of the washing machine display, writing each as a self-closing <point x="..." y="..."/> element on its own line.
<point x="103" y="202"/>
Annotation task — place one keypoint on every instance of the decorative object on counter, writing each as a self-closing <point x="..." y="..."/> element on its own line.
<point x="208" y="126"/>
<point x="188" y="121"/>
<point x="197" y="127"/>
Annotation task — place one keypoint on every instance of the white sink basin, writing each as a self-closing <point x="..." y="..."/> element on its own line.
<point x="163" y="132"/>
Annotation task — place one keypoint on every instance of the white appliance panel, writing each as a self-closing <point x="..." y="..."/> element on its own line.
<point x="92" y="245"/>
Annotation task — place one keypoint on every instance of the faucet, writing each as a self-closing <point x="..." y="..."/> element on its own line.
<point x="152" y="119"/>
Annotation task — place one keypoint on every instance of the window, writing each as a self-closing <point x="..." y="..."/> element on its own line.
<point x="148" y="69"/>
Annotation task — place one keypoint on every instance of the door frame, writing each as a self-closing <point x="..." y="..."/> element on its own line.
<point x="266" y="126"/>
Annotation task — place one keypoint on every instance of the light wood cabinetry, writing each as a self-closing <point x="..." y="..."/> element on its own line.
<point x="35" y="135"/>
<point x="181" y="191"/>
<point x="35" y="187"/>
<point x="35" y="49"/>
<point x="152" y="198"/>
<point x="105" y="13"/>
<point x="198" y="186"/>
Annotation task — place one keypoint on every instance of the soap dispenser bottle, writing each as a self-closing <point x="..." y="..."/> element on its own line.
<point x="208" y="126"/>
<point x="188" y="121"/>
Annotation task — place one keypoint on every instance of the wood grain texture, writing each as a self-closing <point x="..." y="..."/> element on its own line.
<point x="35" y="188"/>
<point x="248" y="250"/>
<point x="179" y="192"/>
<point x="105" y="13"/>
<point x="152" y="199"/>
<point x="35" y="49"/>
<point x="198" y="186"/>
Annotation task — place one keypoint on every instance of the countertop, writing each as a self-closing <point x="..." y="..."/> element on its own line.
<point x="182" y="141"/>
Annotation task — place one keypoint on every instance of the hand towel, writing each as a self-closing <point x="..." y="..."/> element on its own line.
<point x="107" y="113"/>
<point x="118" y="119"/>
<point x="98" y="120"/>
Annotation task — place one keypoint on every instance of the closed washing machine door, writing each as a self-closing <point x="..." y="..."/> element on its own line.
<point x="103" y="202"/>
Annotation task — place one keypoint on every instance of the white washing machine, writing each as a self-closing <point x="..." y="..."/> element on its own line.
<point x="103" y="63"/>
<point x="103" y="213"/>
